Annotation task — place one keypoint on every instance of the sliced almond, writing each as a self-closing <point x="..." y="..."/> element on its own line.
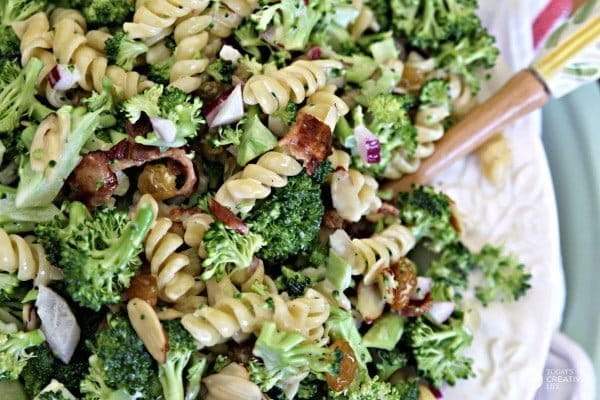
<point x="145" y="321"/>
<point x="370" y="302"/>
<point x="425" y="393"/>
<point x="232" y="383"/>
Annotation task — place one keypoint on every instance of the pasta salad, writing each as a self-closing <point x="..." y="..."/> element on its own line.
<point x="191" y="203"/>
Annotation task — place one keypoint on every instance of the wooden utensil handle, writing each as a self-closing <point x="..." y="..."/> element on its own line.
<point x="523" y="93"/>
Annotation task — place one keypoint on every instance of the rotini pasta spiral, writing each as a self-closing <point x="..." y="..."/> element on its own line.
<point x="461" y="96"/>
<point x="153" y="20"/>
<point x="247" y="279"/>
<point x="227" y="15"/>
<point x="166" y="264"/>
<point x="296" y="82"/>
<point x="36" y="42"/>
<point x="240" y="192"/>
<point x="27" y="259"/>
<point x="326" y="106"/>
<point x="231" y="383"/>
<point x="354" y="194"/>
<point x="195" y="227"/>
<point x="305" y="315"/>
<point x="232" y="317"/>
<point x="191" y="38"/>
<point x="91" y="65"/>
<point x="171" y="268"/>
<point x="48" y="142"/>
<point x="236" y="317"/>
<point x="370" y="256"/>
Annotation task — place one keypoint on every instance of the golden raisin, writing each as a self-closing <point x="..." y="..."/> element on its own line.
<point x="157" y="181"/>
<point x="347" y="370"/>
<point x="143" y="287"/>
<point x="406" y="277"/>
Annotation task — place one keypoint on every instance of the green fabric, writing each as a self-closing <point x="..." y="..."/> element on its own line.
<point x="571" y="135"/>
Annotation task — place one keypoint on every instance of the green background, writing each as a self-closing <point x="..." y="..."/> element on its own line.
<point x="571" y="135"/>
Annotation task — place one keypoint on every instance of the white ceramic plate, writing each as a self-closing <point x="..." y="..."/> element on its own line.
<point x="512" y="339"/>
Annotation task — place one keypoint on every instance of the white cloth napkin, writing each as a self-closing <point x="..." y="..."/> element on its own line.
<point x="569" y="374"/>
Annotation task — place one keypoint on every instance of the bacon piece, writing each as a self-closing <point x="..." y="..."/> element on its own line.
<point x="93" y="182"/>
<point x="308" y="140"/>
<point x="332" y="220"/>
<point x="141" y="127"/>
<point x="416" y="308"/>
<point x="224" y="215"/>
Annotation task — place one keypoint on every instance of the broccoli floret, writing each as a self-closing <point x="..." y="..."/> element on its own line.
<point x="98" y="253"/>
<point x="289" y="219"/>
<point x="312" y="388"/>
<point x="161" y="71"/>
<point x="172" y="98"/>
<point x="469" y="56"/>
<point x="9" y="44"/>
<point x="438" y="350"/>
<point x="180" y="116"/>
<point x="287" y="115"/>
<point x="55" y="391"/>
<point x="228" y="250"/>
<point x="436" y="93"/>
<point x="17" y="98"/>
<point x="387" y="118"/>
<point x="72" y="373"/>
<point x="170" y="373"/>
<point x="505" y="278"/>
<point x="382" y="11"/>
<point x="196" y="368"/>
<point x="293" y="22"/>
<point x="428" y="23"/>
<point x="39" y="370"/>
<point x="387" y="362"/>
<point x="408" y="389"/>
<point x="8" y="284"/>
<point x="119" y="363"/>
<point x="294" y="283"/>
<point x="18" y="10"/>
<point x="123" y="51"/>
<point x="220" y="362"/>
<point x="107" y="12"/>
<point x="429" y="214"/>
<point x="286" y="355"/>
<point x="221" y="70"/>
<point x="450" y="272"/>
<point x="374" y="389"/>
<point x="13" y="352"/>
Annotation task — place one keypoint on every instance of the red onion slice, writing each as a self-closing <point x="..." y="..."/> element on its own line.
<point x="63" y="77"/>
<point x="423" y="287"/>
<point x="212" y="108"/>
<point x="440" y="311"/>
<point x="314" y="53"/>
<point x="164" y="128"/>
<point x="367" y="145"/>
<point x="229" y="111"/>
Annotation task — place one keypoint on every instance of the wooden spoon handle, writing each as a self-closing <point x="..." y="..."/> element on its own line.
<point x="523" y="93"/>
